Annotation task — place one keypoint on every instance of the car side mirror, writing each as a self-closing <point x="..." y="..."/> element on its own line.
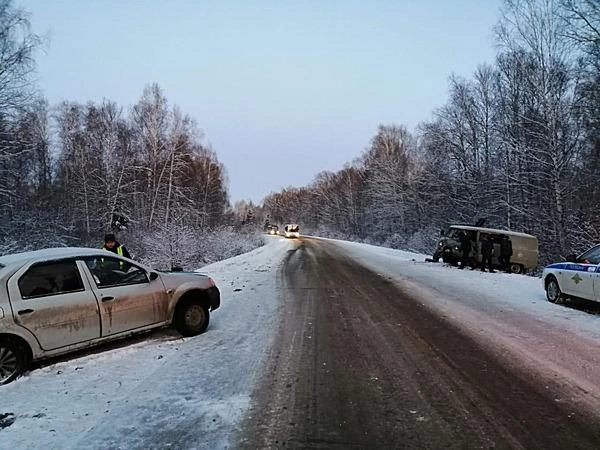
<point x="571" y="258"/>
<point x="153" y="276"/>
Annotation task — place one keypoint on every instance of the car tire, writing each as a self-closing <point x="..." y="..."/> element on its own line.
<point x="553" y="292"/>
<point x="516" y="268"/>
<point x="191" y="318"/>
<point x="13" y="360"/>
<point x="451" y="260"/>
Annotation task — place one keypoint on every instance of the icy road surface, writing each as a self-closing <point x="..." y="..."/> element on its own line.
<point x="161" y="391"/>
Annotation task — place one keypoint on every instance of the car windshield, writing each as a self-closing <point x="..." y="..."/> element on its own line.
<point x="592" y="256"/>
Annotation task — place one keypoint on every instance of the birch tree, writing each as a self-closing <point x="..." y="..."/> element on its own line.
<point x="532" y="29"/>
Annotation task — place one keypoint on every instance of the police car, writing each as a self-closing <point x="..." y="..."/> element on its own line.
<point x="579" y="277"/>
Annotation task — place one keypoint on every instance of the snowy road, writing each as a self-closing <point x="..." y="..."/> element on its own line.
<point x="361" y="363"/>
<point x="460" y="333"/>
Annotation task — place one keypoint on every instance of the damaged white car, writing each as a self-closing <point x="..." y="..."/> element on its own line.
<point x="55" y="301"/>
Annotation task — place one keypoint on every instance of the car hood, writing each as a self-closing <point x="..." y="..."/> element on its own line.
<point x="174" y="279"/>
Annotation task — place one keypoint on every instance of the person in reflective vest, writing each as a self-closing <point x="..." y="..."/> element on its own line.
<point x="112" y="245"/>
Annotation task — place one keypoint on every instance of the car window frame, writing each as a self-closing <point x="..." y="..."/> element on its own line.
<point x="114" y="257"/>
<point x="51" y="294"/>
<point x="592" y="250"/>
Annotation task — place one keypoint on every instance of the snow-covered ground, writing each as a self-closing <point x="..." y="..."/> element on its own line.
<point x="150" y="393"/>
<point x="147" y="394"/>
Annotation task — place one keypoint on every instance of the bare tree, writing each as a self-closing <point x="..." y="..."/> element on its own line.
<point x="17" y="47"/>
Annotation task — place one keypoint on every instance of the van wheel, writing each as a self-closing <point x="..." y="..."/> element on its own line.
<point x="516" y="268"/>
<point x="191" y="318"/>
<point x="449" y="260"/>
<point x="13" y="360"/>
<point x="553" y="292"/>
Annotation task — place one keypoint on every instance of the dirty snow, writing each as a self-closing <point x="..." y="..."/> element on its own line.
<point x="162" y="391"/>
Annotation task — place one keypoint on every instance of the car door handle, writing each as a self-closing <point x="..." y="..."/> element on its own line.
<point x="108" y="298"/>
<point x="24" y="311"/>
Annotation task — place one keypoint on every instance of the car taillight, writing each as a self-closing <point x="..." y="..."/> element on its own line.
<point x="211" y="282"/>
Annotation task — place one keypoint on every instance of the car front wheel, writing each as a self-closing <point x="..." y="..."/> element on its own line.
<point x="553" y="292"/>
<point x="191" y="318"/>
<point x="13" y="360"/>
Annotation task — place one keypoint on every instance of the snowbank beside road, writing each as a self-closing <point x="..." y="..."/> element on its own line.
<point x="162" y="391"/>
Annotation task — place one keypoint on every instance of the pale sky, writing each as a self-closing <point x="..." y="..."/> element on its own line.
<point x="282" y="89"/>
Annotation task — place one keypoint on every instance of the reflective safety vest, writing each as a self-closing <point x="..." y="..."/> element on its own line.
<point x="119" y="250"/>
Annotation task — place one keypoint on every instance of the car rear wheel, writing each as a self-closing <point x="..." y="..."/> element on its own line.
<point x="553" y="292"/>
<point x="13" y="360"/>
<point x="191" y="318"/>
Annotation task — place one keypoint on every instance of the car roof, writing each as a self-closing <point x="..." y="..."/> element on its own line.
<point x="48" y="253"/>
<point x="492" y="230"/>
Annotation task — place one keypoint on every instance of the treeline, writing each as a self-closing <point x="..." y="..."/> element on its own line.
<point x="518" y="144"/>
<point x="71" y="172"/>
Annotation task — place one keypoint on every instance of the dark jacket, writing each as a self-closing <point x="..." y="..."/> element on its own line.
<point x="465" y="244"/>
<point x="487" y="246"/>
<point x="506" y="247"/>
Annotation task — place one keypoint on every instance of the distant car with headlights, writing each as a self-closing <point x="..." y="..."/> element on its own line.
<point x="578" y="277"/>
<point x="58" y="300"/>
<point x="292" y="230"/>
<point x="273" y="230"/>
<point x="525" y="246"/>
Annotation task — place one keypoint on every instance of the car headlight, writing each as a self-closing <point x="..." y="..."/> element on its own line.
<point x="456" y="247"/>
